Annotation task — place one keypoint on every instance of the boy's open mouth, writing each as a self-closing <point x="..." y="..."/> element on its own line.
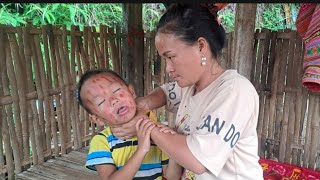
<point x="122" y="110"/>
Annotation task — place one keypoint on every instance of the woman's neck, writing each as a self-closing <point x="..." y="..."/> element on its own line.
<point x="209" y="76"/>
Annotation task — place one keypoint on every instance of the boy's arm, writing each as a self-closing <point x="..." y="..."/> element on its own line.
<point x="131" y="167"/>
<point x="109" y="172"/>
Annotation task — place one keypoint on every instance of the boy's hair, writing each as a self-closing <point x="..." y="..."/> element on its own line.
<point x="87" y="75"/>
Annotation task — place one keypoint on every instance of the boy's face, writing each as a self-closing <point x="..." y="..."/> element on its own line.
<point x="109" y="99"/>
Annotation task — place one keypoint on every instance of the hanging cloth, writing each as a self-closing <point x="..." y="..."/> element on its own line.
<point x="308" y="26"/>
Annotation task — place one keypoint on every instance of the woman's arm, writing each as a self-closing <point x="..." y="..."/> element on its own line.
<point x="175" y="146"/>
<point x="157" y="98"/>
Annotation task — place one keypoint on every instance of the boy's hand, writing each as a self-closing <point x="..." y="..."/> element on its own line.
<point x="144" y="128"/>
<point x="166" y="129"/>
<point x="128" y="130"/>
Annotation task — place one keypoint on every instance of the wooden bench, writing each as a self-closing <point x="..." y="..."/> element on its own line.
<point x="67" y="167"/>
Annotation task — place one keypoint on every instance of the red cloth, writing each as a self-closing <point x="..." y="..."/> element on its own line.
<point x="273" y="170"/>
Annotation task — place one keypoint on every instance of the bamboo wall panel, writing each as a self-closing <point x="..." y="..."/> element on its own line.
<point x="40" y="116"/>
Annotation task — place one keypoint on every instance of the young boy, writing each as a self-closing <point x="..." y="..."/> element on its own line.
<point x="109" y="100"/>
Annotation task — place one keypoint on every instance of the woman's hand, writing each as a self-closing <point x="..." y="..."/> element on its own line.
<point x="144" y="128"/>
<point x="166" y="129"/>
<point x="128" y="130"/>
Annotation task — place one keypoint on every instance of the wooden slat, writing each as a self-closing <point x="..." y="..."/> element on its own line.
<point x="6" y="148"/>
<point x="69" y="166"/>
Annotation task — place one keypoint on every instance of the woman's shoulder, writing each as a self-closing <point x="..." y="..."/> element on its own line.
<point x="234" y="81"/>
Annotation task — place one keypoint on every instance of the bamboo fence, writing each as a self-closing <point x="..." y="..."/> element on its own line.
<point x="41" y="119"/>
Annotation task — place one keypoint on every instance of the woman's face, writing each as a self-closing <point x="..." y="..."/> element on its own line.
<point x="183" y="62"/>
<point x="109" y="99"/>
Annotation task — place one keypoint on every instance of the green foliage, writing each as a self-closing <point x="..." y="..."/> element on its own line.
<point x="269" y="15"/>
<point x="273" y="17"/>
<point x="151" y="14"/>
<point x="8" y="17"/>
<point x="227" y="17"/>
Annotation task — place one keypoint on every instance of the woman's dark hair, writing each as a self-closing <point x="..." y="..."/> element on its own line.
<point x="189" y="22"/>
<point x="87" y="75"/>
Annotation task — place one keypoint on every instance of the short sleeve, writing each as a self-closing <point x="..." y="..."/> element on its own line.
<point x="173" y="93"/>
<point x="99" y="152"/>
<point x="230" y="116"/>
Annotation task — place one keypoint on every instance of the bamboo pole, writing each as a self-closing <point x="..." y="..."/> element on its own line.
<point x="49" y="107"/>
<point x="14" y="56"/>
<point x="21" y="77"/>
<point x="289" y="96"/>
<point x="35" y="56"/>
<point x="11" y="111"/>
<point x="282" y="83"/>
<point x="2" y="113"/>
<point x="103" y="51"/>
<point x="106" y="48"/>
<point x="45" y="112"/>
<point x="298" y="57"/>
<point x="114" y="51"/>
<point x="85" y="64"/>
<point x="282" y="48"/>
<point x="97" y="50"/>
<point x="80" y="70"/>
<point x="6" y="145"/>
<point x="54" y="62"/>
<point x="307" y="142"/>
<point x="147" y="67"/>
<point x="35" y="127"/>
<point x="32" y="115"/>
<point x="272" y="83"/>
<point x="265" y="44"/>
<point x="314" y="139"/>
<point x="66" y="81"/>
<point x="119" y="38"/>
<point x="74" y="108"/>
<point x="4" y="123"/>
<point x="63" y="102"/>
<point x="91" y="59"/>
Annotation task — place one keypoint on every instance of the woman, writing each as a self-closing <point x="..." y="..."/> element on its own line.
<point x="217" y="109"/>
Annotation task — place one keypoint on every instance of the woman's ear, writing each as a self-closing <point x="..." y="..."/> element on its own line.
<point x="131" y="90"/>
<point x="96" y="120"/>
<point x="203" y="45"/>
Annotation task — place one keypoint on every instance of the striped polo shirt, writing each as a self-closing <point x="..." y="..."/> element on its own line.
<point x="105" y="148"/>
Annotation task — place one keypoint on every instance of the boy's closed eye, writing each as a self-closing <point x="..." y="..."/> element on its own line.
<point x="101" y="102"/>
<point x="116" y="90"/>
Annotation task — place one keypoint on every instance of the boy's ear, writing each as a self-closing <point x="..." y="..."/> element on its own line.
<point x="131" y="89"/>
<point x="96" y="120"/>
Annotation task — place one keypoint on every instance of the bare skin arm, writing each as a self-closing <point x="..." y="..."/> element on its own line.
<point x="154" y="100"/>
<point x="109" y="172"/>
<point x="174" y="171"/>
<point x="180" y="152"/>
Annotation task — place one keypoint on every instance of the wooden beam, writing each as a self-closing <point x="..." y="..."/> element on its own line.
<point x="133" y="48"/>
<point x="244" y="38"/>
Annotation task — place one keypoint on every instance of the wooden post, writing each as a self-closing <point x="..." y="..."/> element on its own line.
<point x="133" y="52"/>
<point x="244" y="38"/>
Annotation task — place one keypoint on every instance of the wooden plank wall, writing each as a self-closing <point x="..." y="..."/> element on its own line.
<point x="40" y="116"/>
<point x="288" y="126"/>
